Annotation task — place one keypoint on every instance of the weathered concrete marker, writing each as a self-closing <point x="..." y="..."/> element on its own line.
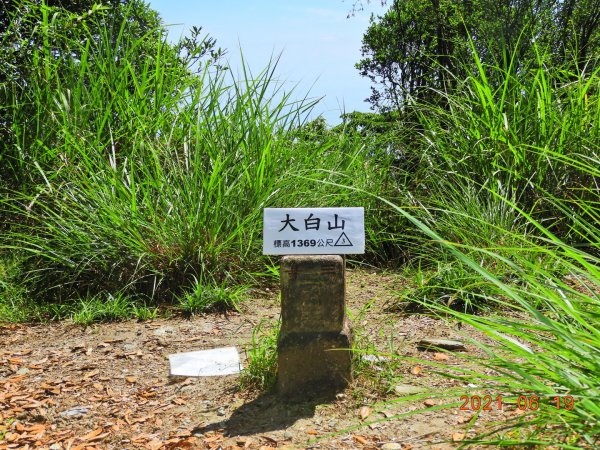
<point x="315" y="337"/>
<point x="315" y="334"/>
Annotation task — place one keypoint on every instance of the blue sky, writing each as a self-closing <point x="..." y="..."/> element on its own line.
<point x="319" y="45"/>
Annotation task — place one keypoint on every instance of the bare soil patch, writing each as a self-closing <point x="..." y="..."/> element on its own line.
<point x="63" y="386"/>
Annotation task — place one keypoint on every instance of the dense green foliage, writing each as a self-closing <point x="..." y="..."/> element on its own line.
<point x="48" y="50"/>
<point x="504" y="203"/>
<point x="420" y="47"/>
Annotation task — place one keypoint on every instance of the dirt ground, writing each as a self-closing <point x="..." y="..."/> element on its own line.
<point x="107" y="386"/>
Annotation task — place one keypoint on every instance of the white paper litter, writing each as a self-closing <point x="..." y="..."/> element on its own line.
<point x="206" y="363"/>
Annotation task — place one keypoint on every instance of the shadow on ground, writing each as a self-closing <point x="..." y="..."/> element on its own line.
<point x="269" y="412"/>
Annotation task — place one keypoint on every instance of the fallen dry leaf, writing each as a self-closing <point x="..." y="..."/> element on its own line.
<point x="80" y="447"/>
<point x="91" y="374"/>
<point x="141" y="438"/>
<point x="179" y="443"/>
<point x="360" y="439"/>
<point x="440" y="357"/>
<point x="364" y="412"/>
<point x="16" y="378"/>
<point x="269" y="439"/>
<point x="154" y="444"/>
<point x="417" y="370"/>
<point x="429" y="402"/>
<point x="131" y="379"/>
<point x="214" y="438"/>
<point x="11" y="437"/>
<point x="312" y="432"/>
<point x="92" y="435"/>
<point x="457" y="437"/>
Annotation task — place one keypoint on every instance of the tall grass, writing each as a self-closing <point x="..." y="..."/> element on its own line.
<point x="505" y="145"/>
<point x="507" y="215"/>
<point x="546" y="332"/>
<point x="522" y="130"/>
<point x="142" y="175"/>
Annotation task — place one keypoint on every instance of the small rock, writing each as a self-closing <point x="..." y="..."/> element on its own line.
<point x="221" y="411"/>
<point x="374" y="358"/>
<point x="333" y="423"/>
<point x="55" y="447"/>
<point x="74" y="412"/>
<point x="162" y="331"/>
<point x="129" y="347"/>
<point x="436" y="344"/>
<point x="391" y="446"/>
<point x="407" y="389"/>
<point x="188" y="388"/>
<point x="23" y="371"/>
<point x="288" y="436"/>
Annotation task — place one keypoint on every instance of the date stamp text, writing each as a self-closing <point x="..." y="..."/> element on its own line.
<point x="524" y="402"/>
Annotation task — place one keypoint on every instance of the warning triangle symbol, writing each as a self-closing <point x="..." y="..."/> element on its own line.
<point x="343" y="241"/>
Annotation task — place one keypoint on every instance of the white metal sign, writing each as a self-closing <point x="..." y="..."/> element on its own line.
<point x="313" y="231"/>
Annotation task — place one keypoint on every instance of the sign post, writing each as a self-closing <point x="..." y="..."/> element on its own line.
<point x="315" y="337"/>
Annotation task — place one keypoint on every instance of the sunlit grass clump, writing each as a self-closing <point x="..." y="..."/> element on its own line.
<point x="136" y="169"/>
<point x="506" y="218"/>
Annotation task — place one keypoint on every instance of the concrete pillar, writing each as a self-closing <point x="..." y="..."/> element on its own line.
<point x="315" y="335"/>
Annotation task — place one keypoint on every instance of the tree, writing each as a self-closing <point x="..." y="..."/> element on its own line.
<point x="39" y="43"/>
<point x="409" y="51"/>
<point x="42" y="45"/>
<point x="418" y="47"/>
